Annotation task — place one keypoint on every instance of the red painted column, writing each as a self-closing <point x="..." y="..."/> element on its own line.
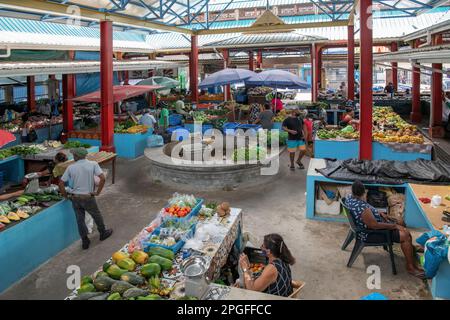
<point x="126" y="78"/>
<point x="226" y="64"/>
<point x="106" y="79"/>
<point x="68" y="86"/>
<point x="365" y="142"/>
<point x="416" y="114"/>
<point x="251" y="61"/>
<point x="436" y="129"/>
<point x="317" y="71"/>
<point x="31" y="93"/>
<point x="193" y="61"/>
<point x="394" y="48"/>
<point x="313" y="73"/>
<point x="259" y="59"/>
<point x="351" y="63"/>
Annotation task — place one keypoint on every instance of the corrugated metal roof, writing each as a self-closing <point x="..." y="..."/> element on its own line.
<point x="34" y="33"/>
<point x="266" y="39"/>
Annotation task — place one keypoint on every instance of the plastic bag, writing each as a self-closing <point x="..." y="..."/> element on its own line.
<point x="89" y="222"/>
<point x="436" y="251"/>
<point x="155" y="141"/>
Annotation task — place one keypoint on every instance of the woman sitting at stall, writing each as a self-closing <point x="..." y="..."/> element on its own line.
<point x="276" y="278"/>
<point x="368" y="218"/>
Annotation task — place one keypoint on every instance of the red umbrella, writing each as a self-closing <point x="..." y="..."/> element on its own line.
<point x="6" y="137"/>
<point x="120" y="93"/>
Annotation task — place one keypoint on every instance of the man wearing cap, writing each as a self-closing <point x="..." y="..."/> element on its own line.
<point x="81" y="175"/>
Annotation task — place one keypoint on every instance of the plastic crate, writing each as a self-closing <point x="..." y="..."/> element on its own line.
<point x="194" y="212"/>
<point x="255" y="127"/>
<point x="146" y="245"/>
<point x="170" y="130"/>
<point x="175" y="119"/>
<point x="230" y="126"/>
<point x="2" y="173"/>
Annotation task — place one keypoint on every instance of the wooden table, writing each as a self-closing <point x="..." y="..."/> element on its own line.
<point x="113" y="166"/>
<point x="434" y="214"/>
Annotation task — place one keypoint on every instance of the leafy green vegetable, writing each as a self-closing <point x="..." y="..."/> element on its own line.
<point x="76" y="144"/>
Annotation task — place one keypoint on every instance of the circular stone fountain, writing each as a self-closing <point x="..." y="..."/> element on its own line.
<point x="227" y="175"/>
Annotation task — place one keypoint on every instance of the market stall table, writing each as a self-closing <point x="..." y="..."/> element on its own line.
<point x="30" y="243"/>
<point x="101" y="158"/>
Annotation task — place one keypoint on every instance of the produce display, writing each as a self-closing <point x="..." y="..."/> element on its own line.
<point x="140" y="271"/>
<point x="129" y="127"/>
<point x="26" y="205"/>
<point x="259" y="91"/>
<point x="134" y="276"/>
<point x="76" y="144"/>
<point x="21" y="150"/>
<point x="388" y="127"/>
<point x="249" y="154"/>
<point x="281" y="116"/>
<point x="172" y="232"/>
<point x="180" y="205"/>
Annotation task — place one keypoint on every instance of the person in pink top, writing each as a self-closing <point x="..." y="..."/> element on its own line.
<point x="277" y="103"/>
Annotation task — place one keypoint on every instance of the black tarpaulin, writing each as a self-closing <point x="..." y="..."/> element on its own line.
<point x="388" y="172"/>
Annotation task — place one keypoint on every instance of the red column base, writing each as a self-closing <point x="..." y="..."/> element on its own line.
<point x="437" y="132"/>
<point x="108" y="148"/>
<point x="416" y="117"/>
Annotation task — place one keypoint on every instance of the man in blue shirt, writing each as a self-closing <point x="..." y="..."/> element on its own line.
<point x="147" y="119"/>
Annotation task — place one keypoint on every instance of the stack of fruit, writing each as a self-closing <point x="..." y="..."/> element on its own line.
<point x="134" y="276"/>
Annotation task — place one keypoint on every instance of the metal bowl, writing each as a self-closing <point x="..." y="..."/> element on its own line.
<point x="194" y="266"/>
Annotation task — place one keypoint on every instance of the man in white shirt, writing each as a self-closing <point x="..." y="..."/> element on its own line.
<point x="81" y="174"/>
<point x="147" y="119"/>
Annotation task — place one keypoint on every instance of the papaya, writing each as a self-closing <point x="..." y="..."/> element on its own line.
<point x="86" y="279"/>
<point x="103" y="283"/>
<point x="150" y="297"/>
<point x="150" y="270"/>
<point x="106" y="266"/>
<point x="132" y="278"/>
<point x="119" y="255"/>
<point x="13" y="216"/>
<point x="87" y="295"/>
<point x="114" y="271"/>
<point x="134" y="293"/>
<point x="114" y="296"/>
<point x="121" y="287"/>
<point x="102" y="296"/>
<point x="127" y="264"/>
<point x="140" y="257"/>
<point x="88" y="287"/>
<point x="165" y="264"/>
<point x="4" y="219"/>
<point x="158" y="251"/>
<point x="101" y="274"/>
<point x="22" y="214"/>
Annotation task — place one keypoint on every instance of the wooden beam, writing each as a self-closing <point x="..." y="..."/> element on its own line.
<point x="44" y="7"/>
<point x="280" y="28"/>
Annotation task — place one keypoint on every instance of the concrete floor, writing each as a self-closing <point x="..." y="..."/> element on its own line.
<point x="279" y="207"/>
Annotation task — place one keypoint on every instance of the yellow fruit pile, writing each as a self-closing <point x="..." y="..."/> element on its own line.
<point x="137" y="129"/>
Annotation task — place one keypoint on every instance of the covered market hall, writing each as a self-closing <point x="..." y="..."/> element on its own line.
<point x="224" y="150"/>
